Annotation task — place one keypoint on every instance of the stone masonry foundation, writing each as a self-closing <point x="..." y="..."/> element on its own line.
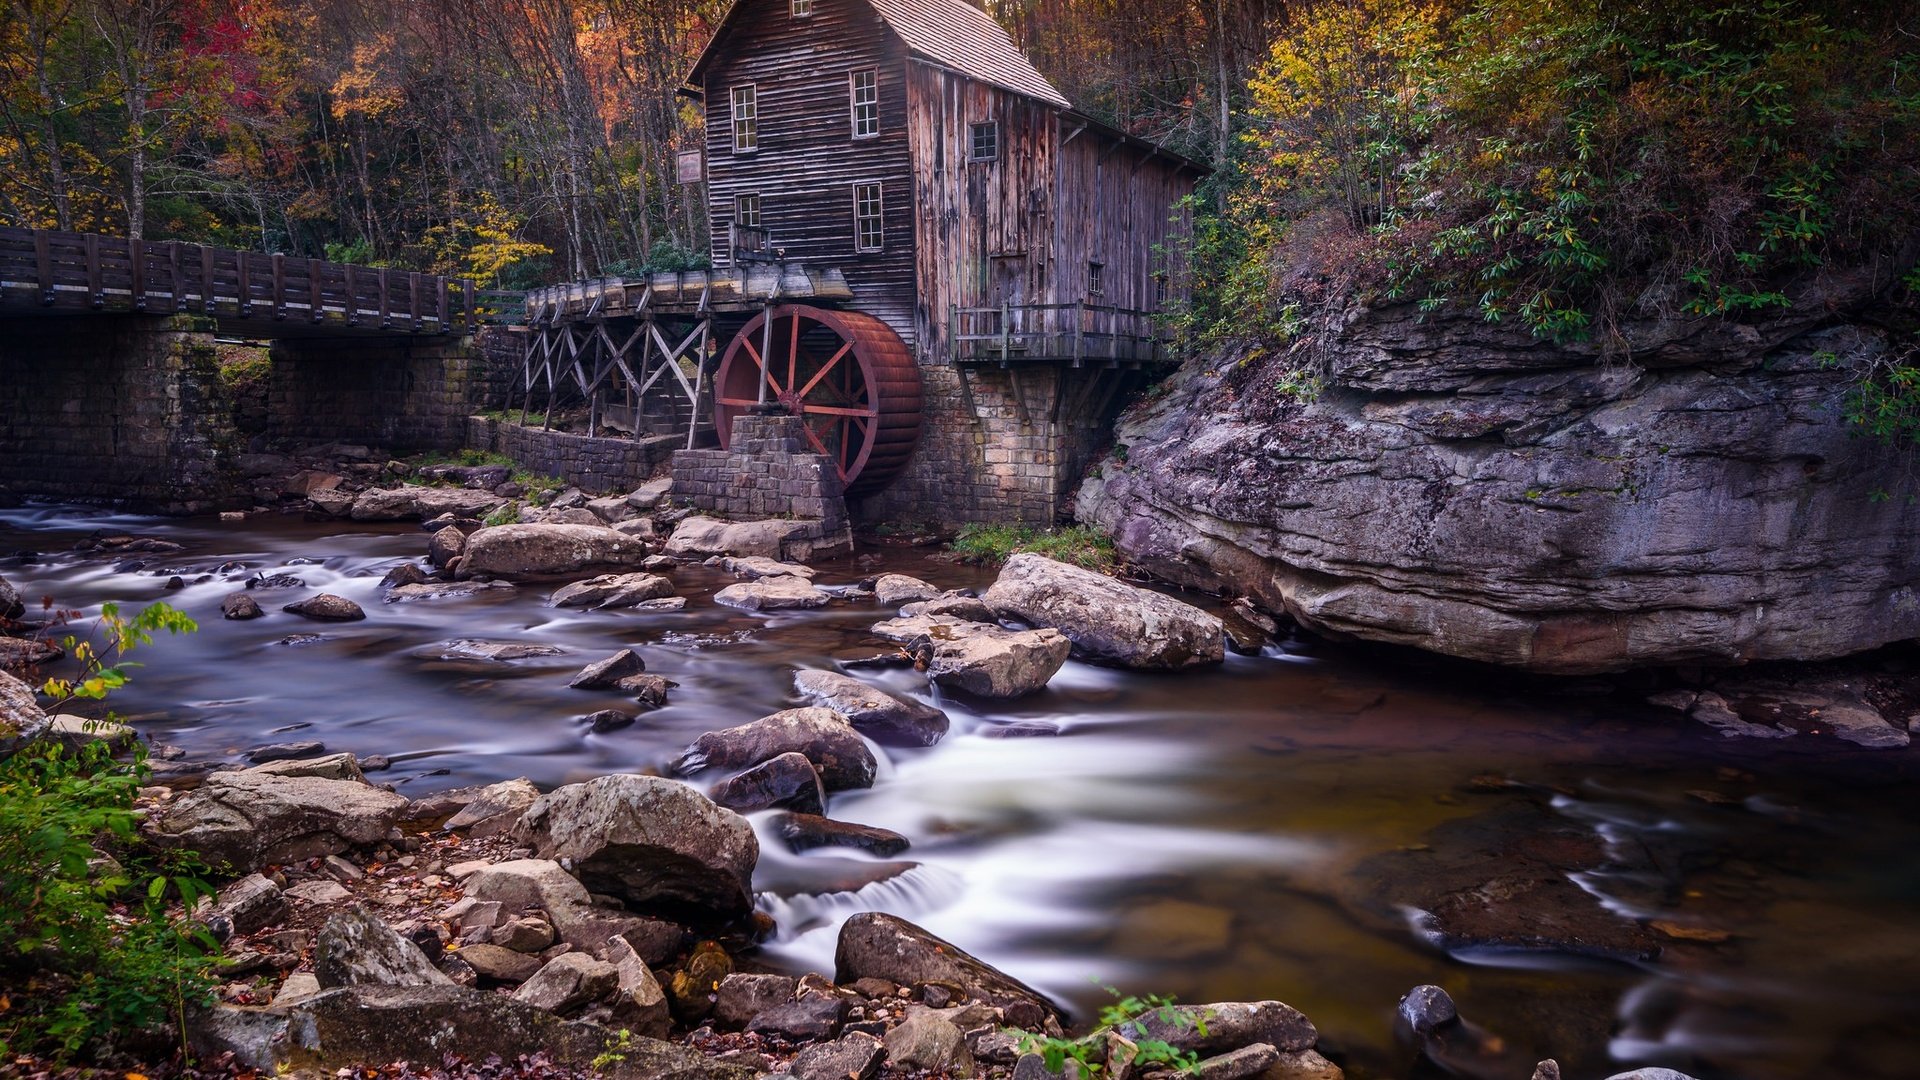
<point x="595" y="466"/>
<point x="767" y="472"/>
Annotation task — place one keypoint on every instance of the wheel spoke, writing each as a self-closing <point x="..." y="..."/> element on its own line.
<point x="793" y="353"/>
<point x="834" y="410"/>
<point x="822" y="373"/>
<point x="738" y="402"/>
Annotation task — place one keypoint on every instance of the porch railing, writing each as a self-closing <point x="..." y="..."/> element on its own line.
<point x="1078" y="333"/>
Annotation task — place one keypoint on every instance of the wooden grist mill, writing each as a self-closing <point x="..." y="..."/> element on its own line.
<point x="919" y="247"/>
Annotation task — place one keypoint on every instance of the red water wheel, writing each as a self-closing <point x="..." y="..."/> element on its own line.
<point x="848" y="375"/>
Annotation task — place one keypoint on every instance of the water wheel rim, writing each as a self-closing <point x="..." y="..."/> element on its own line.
<point x="832" y="369"/>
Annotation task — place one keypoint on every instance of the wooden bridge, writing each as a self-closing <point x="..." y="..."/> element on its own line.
<point x="249" y="294"/>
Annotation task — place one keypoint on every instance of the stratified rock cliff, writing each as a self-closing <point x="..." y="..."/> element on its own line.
<point x="1467" y="490"/>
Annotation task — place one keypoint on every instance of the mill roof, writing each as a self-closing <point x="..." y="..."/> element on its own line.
<point x="951" y="33"/>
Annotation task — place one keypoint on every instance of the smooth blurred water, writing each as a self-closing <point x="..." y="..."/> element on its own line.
<point x="1192" y="834"/>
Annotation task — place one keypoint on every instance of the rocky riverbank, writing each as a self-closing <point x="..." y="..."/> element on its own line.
<point x="1697" y="498"/>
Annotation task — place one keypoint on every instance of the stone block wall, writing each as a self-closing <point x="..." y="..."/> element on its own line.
<point x="596" y="466"/>
<point x="401" y="395"/>
<point x="767" y="472"/>
<point x="498" y="367"/>
<point x="996" y="448"/>
<point x="124" y="408"/>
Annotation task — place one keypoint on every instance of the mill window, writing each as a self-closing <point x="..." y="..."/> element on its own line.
<point x="869" y="225"/>
<point x="985" y="144"/>
<point x="1096" y="279"/>
<point x="801" y="8"/>
<point x="746" y="119"/>
<point x="746" y="210"/>
<point x="864" y="92"/>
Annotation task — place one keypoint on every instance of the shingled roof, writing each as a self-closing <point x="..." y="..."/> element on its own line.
<point x="951" y="33"/>
<point x="955" y="34"/>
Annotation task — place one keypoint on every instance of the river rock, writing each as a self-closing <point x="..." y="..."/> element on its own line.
<point x="699" y="537"/>
<point x="788" y="781"/>
<point x="980" y="658"/>
<point x="1217" y="1028"/>
<point x="351" y="1026"/>
<point x="893" y="590"/>
<point x="326" y="608"/>
<point x="496" y="809"/>
<point x="27" y="654"/>
<point x="613" y="591"/>
<point x="250" y="904"/>
<point x="241" y="607"/>
<point x="640" y="1004"/>
<point x="445" y="590"/>
<point x="1772" y="708"/>
<point x="1108" y="621"/>
<point x="11" y="606"/>
<point x="248" y="819"/>
<point x="652" y="843"/>
<point x="804" y="832"/>
<point x="499" y="963"/>
<point x="446" y="545"/>
<point x="1238" y="1064"/>
<point x="488" y="652"/>
<point x="649" y="691"/>
<point x="808" y="1019"/>
<point x="1426" y="1008"/>
<point x="341" y="766"/>
<point x="930" y="1042"/>
<point x="568" y="982"/>
<point x="651" y="495"/>
<point x="856" y="1056"/>
<point x="355" y="948"/>
<point x="22" y="720"/>
<point x="955" y="605"/>
<point x="425" y="503"/>
<point x="740" y="997"/>
<point x="605" y="674"/>
<point x="755" y="567"/>
<point x="1307" y="1065"/>
<point x="773" y="594"/>
<point x="513" y="551"/>
<point x="823" y="736"/>
<point x="875" y="945"/>
<point x="885" y="718"/>
<point x="78" y="731"/>
<point x="290" y="751"/>
<point x="543" y="885"/>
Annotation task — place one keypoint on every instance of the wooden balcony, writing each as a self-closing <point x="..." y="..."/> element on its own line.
<point x="1079" y="334"/>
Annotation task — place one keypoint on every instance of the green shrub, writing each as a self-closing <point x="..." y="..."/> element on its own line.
<point x="1091" y="1052"/>
<point x="991" y="545"/>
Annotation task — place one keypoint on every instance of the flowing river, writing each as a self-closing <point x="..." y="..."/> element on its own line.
<point x="1249" y="832"/>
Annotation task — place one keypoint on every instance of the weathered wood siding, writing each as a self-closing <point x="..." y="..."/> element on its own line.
<point x="985" y="227"/>
<point x="1118" y="205"/>
<point x="808" y="160"/>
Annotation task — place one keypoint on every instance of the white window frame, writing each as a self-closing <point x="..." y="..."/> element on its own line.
<point x="879" y="216"/>
<point x="800" y="9"/>
<point x="855" y="104"/>
<point x="973" y="140"/>
<point x="750" y="144"/>
<point x="740" y="212"/>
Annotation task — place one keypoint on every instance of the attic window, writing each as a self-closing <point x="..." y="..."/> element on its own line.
<point x="801" y="9"/>
<point x="985" y="142"/>
<point x="746" y="119"/>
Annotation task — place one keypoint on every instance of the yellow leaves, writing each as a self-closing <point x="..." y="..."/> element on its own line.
<point x="361" y="90"/>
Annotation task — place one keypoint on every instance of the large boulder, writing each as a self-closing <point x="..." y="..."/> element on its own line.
<point x="787" y="592"/>
<point x="11" y="605"/>
<point x="653" y="843"/>
<point x="788" y="781"/>
<point x="887" y="719"/>
<point x="543" y="885"/>
<point x="980" y="658"/>
<point x="355" y="948"/>
<point x="700" y="537"/>
<point x="613" y="591"/>
<point x="251" y="818"/>
<point x="1472" y="490"/>
<point x="569" y="982"/>
<point x="1108" y="621"/>
<point x="511" y="551"/>
<point x="823" y="736"/>
<point x="22" y="720"/>
<point x="415" y="501"/>
<point x="362" y="1025"/>
<point x="326" y="607"/>
<point x="875" y="945"/>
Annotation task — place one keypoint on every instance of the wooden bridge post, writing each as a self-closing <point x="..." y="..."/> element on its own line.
<point x="413" y="299"/>
<point x="96" y="293"/>
<point x="316" y="295"/>
<point x="206" y="280"/>
<point x="386" y="302"/>
<point x="466" y="302"/>
<point x="43" y="265"/>
<point x="175" y="287"/>
<point x="137" y="267"/>
<point x="243" y="265"/>
<point x="279" y="297"/>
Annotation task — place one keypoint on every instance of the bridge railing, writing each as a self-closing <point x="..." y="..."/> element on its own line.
<point x="79" y="272"/>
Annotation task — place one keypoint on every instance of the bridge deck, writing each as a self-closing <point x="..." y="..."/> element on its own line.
<point x="48" y="273"/>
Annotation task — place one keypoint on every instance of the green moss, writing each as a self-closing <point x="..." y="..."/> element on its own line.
<point x="991" y="545"/>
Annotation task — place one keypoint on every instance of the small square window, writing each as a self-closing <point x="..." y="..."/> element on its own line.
<point x="985" y="142"/>
<point x="863" y="89"/>
<point x="746" y="119"/>
<point x="1096" y="279"/>
<point x="800" y="8"/>
<point x="869" y="218"/>
<point x="746" y="210"/>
